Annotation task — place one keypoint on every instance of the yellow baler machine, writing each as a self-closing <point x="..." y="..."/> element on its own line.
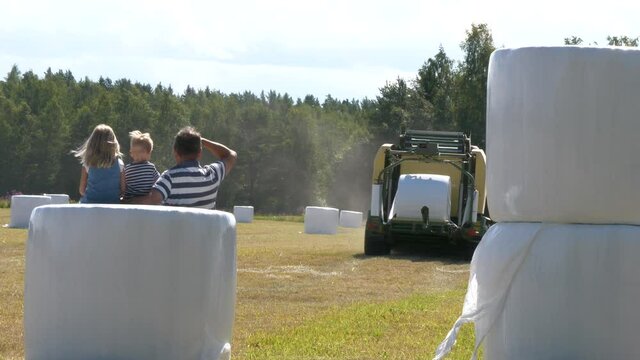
<point x="428" y="152"/>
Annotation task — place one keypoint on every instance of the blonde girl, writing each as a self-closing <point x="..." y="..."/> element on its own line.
<point x="102" y="178"/>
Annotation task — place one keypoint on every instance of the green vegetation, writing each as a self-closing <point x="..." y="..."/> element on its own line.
<point x="410" y="328"/>
<point x="292" y="152"/>
<point x="291" y="218"/>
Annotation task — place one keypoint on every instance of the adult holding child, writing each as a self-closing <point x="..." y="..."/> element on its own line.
<point x="101" y="178"/>
<point x="189" y="183"/>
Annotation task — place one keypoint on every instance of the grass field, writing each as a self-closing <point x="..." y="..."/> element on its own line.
<point x="306" y="296"/>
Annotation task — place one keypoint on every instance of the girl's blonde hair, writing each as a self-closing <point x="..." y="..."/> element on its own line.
<point x="101" y="149"/>
<point x="141" y="139"/>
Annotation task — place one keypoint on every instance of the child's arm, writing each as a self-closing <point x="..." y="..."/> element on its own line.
<point x="83" y="181"/>
<point x="225" y="154"/>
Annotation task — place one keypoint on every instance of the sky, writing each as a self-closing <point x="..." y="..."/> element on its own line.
<point x="346" y="48"/>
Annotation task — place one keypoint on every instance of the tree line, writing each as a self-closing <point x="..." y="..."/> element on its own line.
<point x="292" y="152"/>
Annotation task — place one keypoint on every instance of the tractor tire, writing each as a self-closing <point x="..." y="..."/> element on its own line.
<point x="376" y="245"/>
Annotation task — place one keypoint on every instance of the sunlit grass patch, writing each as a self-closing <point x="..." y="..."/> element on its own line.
<point x="410" y="328"/>
<point x="291" y="218"/>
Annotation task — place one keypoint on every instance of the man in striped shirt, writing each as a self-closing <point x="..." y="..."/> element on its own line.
<point x="188" y="183"/>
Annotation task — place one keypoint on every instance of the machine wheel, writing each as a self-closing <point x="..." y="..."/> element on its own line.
<point x="375" y="245"/>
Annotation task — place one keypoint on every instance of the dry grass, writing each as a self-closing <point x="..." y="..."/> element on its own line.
<point x="306" y="296"/>
<point x="293" y="288"/>
<point x="11" y="289"/>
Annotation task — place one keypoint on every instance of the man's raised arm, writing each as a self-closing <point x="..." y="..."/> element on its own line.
<point x="225" y="154"/>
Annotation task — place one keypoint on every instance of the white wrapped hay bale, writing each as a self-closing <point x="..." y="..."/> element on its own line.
<point x="555" y="291"/>
<point x="129" y="282"/>
<point x="418" y="190"/>
<point x="350" y="219"/>
<point x="22" y="206"/>
<point x="562" y="134"/>
<point x="243" y="214"/>
<point x="58" y="199"/>
<point x="321" y="220"/>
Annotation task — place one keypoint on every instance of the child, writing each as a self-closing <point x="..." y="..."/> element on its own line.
<point x="102" y="178"/>
<point x="189" y="183"/>
<point x="141" y="174"/>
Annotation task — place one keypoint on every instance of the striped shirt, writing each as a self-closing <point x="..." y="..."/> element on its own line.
<point x="140" y="178"/>
<point x="190" y="184"/>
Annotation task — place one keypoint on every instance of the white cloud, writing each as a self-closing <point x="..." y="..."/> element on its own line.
<point x="346" y="48"/>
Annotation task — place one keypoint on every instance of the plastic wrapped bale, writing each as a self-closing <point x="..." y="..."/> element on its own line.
<point x="418" y="190"/>
<point x="320" y="220"/>
<point x="58" y="199"/>
<point x="562" y="126"/>
<point x="243" y="214"/>
<point x="22" y="206"/>
<point x="350" y="219"/>
<point x="555" y="291"/>
<point x="129" y="282"/>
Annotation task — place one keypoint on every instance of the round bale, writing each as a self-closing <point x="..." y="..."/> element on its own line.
<point x="243" y="214"/>
<point x="350" y="219"/>
<point x="22" y="206"/>
<point x="58" y="199"/>
<point x="321" y="220"/>
<point x="129" y="282"/>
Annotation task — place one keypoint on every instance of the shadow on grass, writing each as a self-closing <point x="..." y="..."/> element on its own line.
<point x="421" y="252"/>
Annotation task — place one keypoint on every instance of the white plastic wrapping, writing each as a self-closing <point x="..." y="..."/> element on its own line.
<point x="22" y="206"/>
<point x="320" y="220"/>
<point x="243" y="214"/>
<point x="562" y="135"/>
<point x="418" y="190"/>
<point x="129" y="282"/>
<point x="375" y="199"/>
<point x="350" y="219"/>
<point x="58" y="199"/>
<point x="554" y="291"/>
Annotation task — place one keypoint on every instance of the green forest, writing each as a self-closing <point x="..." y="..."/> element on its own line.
<point x="291" y="152"/>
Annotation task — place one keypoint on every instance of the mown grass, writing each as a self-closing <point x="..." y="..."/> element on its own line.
<point x="410" y="328"/>
<point x="306" y="297"/>
<point x="11" y="289"/>
<point x="289" y="218"/>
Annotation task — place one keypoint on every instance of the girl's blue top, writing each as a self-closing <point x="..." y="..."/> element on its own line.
<point x="103" y="185"/>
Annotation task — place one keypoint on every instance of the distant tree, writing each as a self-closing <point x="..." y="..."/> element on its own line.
<point x="311" y="101"/>
<point x="471" y="83"/>
<point x="622" y="41"/>
<point x="573" y="40"/>
<point x="435" y="83"/>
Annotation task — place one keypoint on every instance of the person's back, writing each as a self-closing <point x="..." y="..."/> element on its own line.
<point x="103" y="184"/>
<point x="101" y="178"/>
<point x="192" y="185"/>
<point x="188" y="183"/>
